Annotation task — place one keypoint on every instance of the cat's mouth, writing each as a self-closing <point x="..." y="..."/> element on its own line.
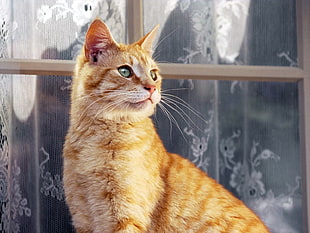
<point x="142" y="103"/>
<point x="146" y="100"/>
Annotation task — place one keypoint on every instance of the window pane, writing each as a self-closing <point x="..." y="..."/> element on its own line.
<point x="248" y="139"/>
<point x="258" y="32"/>
<point x="54" y="29"/>
<point x="244" y="134"/>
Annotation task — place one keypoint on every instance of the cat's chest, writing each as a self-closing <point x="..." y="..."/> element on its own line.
<point x="126" y="170"/>
<point x="104" y="150"/>
<point x="115" y="139"/>
<point x="120" y="151"/>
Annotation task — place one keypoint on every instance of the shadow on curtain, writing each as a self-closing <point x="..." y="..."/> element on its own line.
<point x="244" y="134"/>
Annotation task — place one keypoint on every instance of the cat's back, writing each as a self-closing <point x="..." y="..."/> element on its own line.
<point x="194" y="202"/>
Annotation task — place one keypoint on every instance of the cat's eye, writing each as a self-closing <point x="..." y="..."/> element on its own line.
<point x="125" y="71"/>
<point x="153" y="75"/>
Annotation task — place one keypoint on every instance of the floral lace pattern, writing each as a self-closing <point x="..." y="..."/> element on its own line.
<point x="199" y="145"/>
<point x="241" y="149"/>
<point x="228" y="37"/>
<point x="247" y="180"/>
<point x="245" y="177"/>
<point x="16" y="204"/>
<point x="4" y="152"/>
<point x="13" y="204"/>
<point x="244" y="164"/>
<point x="82" y="13"/>
<point x="51" y="185"/>
<point x="202" y="26"/>
<point x="224" y="15"/>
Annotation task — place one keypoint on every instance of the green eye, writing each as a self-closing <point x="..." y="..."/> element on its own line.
<point x="153" y="75"/>
<point x="125" y="71"/>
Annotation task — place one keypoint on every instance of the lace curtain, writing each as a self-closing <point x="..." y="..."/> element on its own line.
<point x="250" y="131"/>
<point x="244" y="134"/>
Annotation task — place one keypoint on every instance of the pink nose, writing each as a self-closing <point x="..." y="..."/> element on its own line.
<point x="150" y="88"/>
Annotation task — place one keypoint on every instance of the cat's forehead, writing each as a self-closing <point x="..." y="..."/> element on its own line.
<point x="141" y="65"/>
<point x="141" y="59"/>
<point x="134" y="54"/>
<point x="142" y="62"/>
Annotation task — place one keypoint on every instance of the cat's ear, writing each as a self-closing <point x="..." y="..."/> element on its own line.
<point x="98" y="40"/>
<point x="147" y="41"/>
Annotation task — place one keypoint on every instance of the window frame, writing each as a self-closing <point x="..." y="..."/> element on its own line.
<point x="300" y="74"/>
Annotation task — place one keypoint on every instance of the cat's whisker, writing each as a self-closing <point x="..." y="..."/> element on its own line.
<point x="117" y="103"/>
<point x="178" y="100"/>
<point x="175" y="89"/>
<point x="167" y="113"/>
<point x="125" y="94"/>
<point x="175" y="107"/>
<point x="109" y="107"/>
<point x="155" y="115"/>
<point x="113" y="92"/>
<point x="172" y="119"/>
<point x="165" y="38"/>
<point x="178" y="104"/>
<point x="88" y="107"/>
<point x="86" y="96"/>
<point x="129" y="94"/>
<point x="119" y="91"/>
<point x="91" y="104"/>
<point x="155" y="57"/>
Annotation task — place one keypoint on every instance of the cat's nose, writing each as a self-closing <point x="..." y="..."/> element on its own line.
<point x="150" y="88"/>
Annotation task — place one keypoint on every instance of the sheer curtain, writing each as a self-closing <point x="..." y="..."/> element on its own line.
<point x="248" y="138"/>
<point x="244" y="134"/>
<point x="34" y="109"/>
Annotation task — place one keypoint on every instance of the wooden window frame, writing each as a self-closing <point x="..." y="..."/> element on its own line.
<point x="300" y="74"/>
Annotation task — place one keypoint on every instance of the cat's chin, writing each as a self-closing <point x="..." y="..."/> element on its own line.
<point x="141" y="105"/>
<point x="135" y="112"/>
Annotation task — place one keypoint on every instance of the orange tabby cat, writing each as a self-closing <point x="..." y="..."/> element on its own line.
<point x="118" y="177"/>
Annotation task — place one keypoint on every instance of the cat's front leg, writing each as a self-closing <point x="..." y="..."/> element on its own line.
<point x="121" y="226"/>
<point x="117" y="216"/>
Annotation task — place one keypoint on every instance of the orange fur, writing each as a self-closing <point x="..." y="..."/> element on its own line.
<point x="118" y="177"/>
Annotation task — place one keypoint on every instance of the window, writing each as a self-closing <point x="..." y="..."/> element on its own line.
<point x="249" y="82"/>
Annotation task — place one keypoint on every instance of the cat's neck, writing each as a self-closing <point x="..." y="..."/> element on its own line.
<point x="101" y="123"/>
<point x="106" y="129"/>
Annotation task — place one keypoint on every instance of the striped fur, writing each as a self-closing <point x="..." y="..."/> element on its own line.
<point x="118" y="177"/>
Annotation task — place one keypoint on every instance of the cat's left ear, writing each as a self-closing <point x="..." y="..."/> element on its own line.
<point x="98" y="41"/>
<point x="147" y="41"/>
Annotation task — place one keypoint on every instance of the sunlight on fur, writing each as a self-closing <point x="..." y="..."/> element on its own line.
<point x="118" y="177"/>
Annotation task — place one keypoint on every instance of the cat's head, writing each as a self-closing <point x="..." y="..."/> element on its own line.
<point x="115" y="81"/>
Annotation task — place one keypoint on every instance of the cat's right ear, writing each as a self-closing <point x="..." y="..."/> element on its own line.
<point x="98" y="41"/>
<point x="147" y="41"/>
